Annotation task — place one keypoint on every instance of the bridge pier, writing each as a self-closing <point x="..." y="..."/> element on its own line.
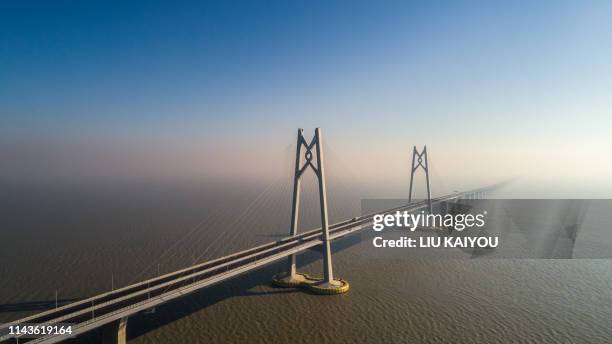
<point x="328" y="284"/>
<point x="115" y="332"/>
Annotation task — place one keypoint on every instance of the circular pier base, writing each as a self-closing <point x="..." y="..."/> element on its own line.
<point x="315" y="285"/>
<point x="337" y="286"/>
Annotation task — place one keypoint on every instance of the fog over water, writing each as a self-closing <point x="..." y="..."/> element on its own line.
<point x="139" y="138"/>
<point x="75" y="237"/>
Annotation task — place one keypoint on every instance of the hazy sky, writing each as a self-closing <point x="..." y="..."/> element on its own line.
<point x="189" y="90"/>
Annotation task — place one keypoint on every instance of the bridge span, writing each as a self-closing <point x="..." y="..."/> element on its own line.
<point x="114" y="307"/>
<point x="111" y="310"/>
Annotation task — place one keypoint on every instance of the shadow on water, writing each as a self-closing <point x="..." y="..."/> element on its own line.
<point x="274" y="236"/>
<point x="240" y="286"/>
<point x="33" y="305"/>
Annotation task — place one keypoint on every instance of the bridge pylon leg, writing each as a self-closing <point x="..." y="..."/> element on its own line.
<point x="420" y="160"/>
<point x="328" y="284"/>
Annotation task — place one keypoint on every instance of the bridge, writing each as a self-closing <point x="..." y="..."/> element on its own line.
<point x="111" y="310"/>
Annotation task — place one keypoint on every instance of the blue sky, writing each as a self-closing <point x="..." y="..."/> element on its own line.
<point x="204" y="80"/>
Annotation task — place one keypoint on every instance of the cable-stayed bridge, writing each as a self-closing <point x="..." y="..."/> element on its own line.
<point x="111" y="310"/>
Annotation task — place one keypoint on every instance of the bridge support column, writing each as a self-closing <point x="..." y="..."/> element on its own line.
<point x="328" y="284"/>
<point x="420" y="160"/>
<point x="115" y="332"/>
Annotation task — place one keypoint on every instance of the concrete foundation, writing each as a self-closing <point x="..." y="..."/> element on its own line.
<point x="115" y="332"/>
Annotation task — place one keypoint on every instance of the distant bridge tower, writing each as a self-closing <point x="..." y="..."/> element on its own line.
<point x="420" y="160"/>
<point x="328" y="284"/>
